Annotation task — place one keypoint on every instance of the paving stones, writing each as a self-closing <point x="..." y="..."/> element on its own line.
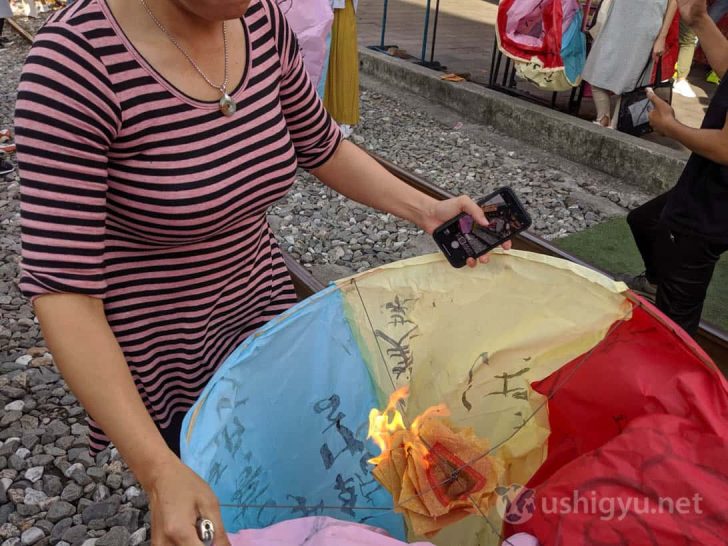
<point x="12" y="392"/>
<point x="31" y="536"/>
<point x="72" y="492"/>
<point x="102" y="510"/>
<point x="60" y="510"/>
<point x="77" y="472"/>
<point x="9" y="417"/>
<point x="57" y="429"/>
<point x="128" y="519"/>
<point x="9" y="446"/>
<point x="8" y="530"/>
<point x="137" y="537"/>
<point x="23" y="360"/>
<point x="26" y="510"/>
<point x="101" y="492"/>
<point x="60" y="528"/>
<point x="34" y="474"/>
<point x="114" y="481"/>
<point x="15" y="405"/>
<point x="16" y="495"/>
<point x="75" y="534"/>
<point x="117" y="536"/>
<point x="41" y="460"/>
<point x="29" y="441"/>
<point x="34" y="497"/>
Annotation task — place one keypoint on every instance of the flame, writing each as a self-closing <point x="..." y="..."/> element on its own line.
<point x="381" y="427"/>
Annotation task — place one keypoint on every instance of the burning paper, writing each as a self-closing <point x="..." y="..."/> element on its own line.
<point x="437" y="474"/>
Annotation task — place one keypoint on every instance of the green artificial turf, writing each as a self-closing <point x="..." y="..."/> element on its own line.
<point x="610" y="247"/>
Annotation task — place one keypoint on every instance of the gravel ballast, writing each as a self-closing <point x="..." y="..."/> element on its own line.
<point x="334" y="236"/>
<point x="51" y="490"/>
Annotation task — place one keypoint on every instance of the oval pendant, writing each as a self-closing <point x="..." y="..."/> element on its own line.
<point x="227" y="105"/>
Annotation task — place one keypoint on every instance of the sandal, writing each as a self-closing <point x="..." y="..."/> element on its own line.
<point x="601" y="121"/>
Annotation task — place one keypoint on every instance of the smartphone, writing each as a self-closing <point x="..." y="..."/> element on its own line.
<point x="462" y="238"/>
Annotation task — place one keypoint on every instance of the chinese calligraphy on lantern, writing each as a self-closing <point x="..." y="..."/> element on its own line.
<point x="398" y="336"/>
<point x="342" y="441"/>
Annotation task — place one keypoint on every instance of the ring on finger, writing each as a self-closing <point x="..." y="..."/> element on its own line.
<point x="205" y="531"/>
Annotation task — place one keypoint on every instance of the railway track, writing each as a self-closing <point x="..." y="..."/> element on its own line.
<point x="27" y="36"/>
<point x="711" y="338"/>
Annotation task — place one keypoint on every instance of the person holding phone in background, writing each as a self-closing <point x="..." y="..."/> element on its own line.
<point x="682" y="233"/>
<point x="688" y="44"/>
<point x="717" y="10"/>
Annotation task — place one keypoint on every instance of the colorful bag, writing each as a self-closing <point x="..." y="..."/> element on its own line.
<point x="635" y="107"/>
<point x="311" y="21"/>
<point x="545" y="39"/>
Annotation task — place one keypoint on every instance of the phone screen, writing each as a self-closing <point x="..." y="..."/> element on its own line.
<point x="463" y="238"/>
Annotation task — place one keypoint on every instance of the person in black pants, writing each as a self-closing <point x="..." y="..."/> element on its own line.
<point x="682" y="233"/>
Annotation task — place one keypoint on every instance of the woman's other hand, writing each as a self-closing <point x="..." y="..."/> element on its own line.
<point x="691" y="11"/>
<point x="442" y="211"/>
<point x="662" y="116"/>
<point x="88" y="355"/>
<point x="177" y="498"/>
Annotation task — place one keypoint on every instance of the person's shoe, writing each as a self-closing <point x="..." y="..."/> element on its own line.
<point x="682" y="87"/>
<point x="639" y="284"/>
<point x="7" y="148"/>
<point x="603" y="121"/>
<point x="6" y="167"/>
<point x="712" y="78"/>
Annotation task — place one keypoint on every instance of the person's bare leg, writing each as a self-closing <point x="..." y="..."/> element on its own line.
<point x="603" y="102"/>
<point x="615" y="116"/>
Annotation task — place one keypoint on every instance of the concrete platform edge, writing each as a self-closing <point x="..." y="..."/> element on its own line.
<point x="646" y="165"/>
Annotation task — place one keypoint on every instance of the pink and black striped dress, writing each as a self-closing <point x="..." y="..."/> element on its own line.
<point x="154" y="202"/>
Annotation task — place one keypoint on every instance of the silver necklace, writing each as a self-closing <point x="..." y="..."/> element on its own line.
<point x="227" y="104"/>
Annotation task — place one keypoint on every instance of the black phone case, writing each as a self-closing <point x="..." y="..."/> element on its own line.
<point x="437" y="234"/>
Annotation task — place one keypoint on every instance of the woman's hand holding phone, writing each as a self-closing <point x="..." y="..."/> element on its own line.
<point x="466" y="236"/>
<point x="443" y="211"/>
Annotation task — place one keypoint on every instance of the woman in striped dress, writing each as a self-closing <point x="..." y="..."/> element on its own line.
<point x="152" y="137"/>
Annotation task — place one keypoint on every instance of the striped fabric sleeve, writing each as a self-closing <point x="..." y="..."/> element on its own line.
<point x="66" y="116"/>
<point x="314" y="133"/>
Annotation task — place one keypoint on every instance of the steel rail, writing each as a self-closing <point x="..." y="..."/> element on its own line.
<point x="20" y="30"/>
<point x="712" y="339"/>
